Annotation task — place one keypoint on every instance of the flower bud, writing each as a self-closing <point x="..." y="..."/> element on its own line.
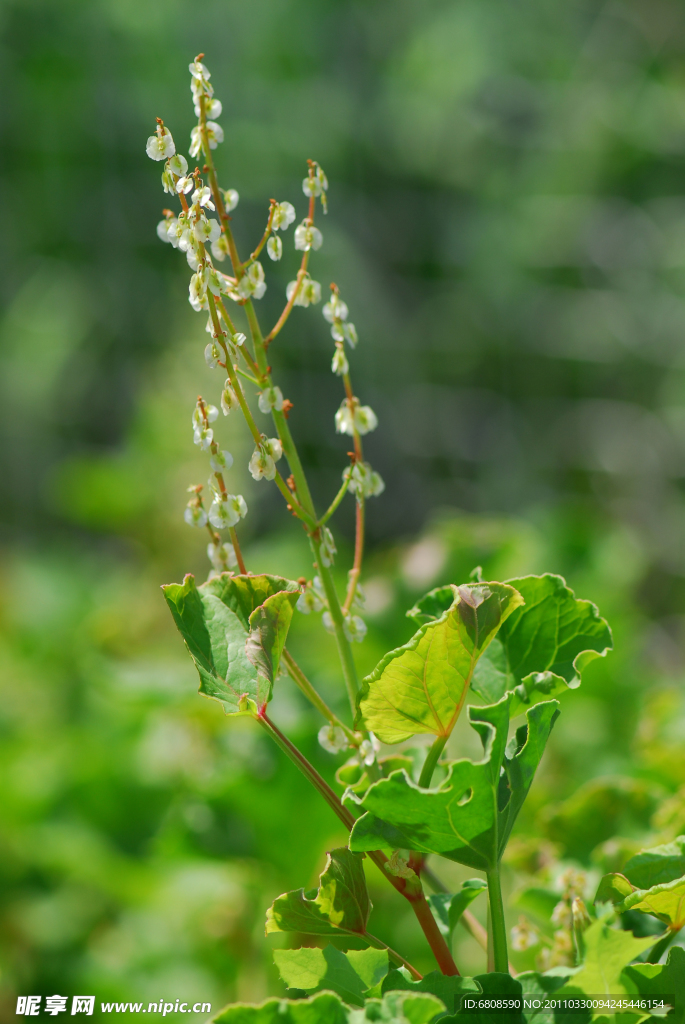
<point x="328" y="549"/>
<point x="310" y="601"/>
<point x="231" y="198"/>
<point x="194" y="514"/>
<point x="274" y="247"/>
<point x="228" y="399"/>
<point x="354" y="628"/>
<point x="221" y="461"/>
<point x="339" y="363"/>
<point x="335" y="309"/>
<point x="222" y="556"/>
<point x="333" y="739"/>
<point x="212" y="355"/>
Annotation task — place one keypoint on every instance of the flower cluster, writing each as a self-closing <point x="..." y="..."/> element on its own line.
<point x="264" y="458"/>
<point x="364" y="481"/>
<point x="226" y="509"/>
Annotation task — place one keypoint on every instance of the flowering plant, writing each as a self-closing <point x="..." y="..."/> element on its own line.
<point x="513" y="647"/>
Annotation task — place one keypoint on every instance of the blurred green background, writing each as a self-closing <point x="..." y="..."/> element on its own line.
<point x="507" y="224"/>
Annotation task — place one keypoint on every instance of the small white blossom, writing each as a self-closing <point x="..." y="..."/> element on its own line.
<point x="354" y="628"/>
<point x="339" y="363"/>
<point x="184" y="184"/>
<point x="178" y="165"/>
<point x="274" y="247"/>
<point x="368" y="749"/>
<point x="193" y="262"/>
<point x="172" y="231"/>
<point x="213" y="107"/>
<point x="228" y="399"/>
<point x="163" y="230"/>
<point x="215" y="134"/>
<point x="238" y="338"/>
<point x="252" y="283"/>
<point x="310" y="601"/>
<point x="220" y="248"/>
<point x="316" y="185"/>
<point x="307" y="237"/>
<point x="270" y="398"/>
<point x="194" y="514"/>
<point x="199" y="71"/>
<point x="198" y="291"/>
<point x="284" y="215"/>
<point x="203" y="197"/>
<point x="207" y="229"/>
<point x="309" y="292"/>
<point x="203" y="436"/>
<point x="261" y="465"/>
<point x="226" y="510"/>
<point x="168" y="183"/>
<point x="221" y="461"/>
<point x="350" y="333"/>
<point x="195" y="141"/>
<point x="274" y="447"/>
<point x="523" y="936"/>
<point x="333" y="739"/>
<point x="335" y="309"/>
<point x="212" y="355"/>
<point x="364" y="480"/>
<point x="361" y="418"/>
<point x="222" y="556"/>
<point x="231" y="198"/>
<point x="160" y="146"/>
<point x="328" y="548"/>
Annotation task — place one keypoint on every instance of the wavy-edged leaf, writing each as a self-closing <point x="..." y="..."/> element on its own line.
<point x="544" y="645"/>
<point x="607" y="951"/>
<point x="349" y="974"/>
<point x="214" y="620"/>
<point x="355" y="776"/>
<point x="657" y="865"/>
<point x="665" y="902"/>
<point x="613" y="888"/>
<point x="448" y="989"/>
<point x="468" y="818"/>
<point x="421" y="686"/>
<point x="447" y="909"/>
<point x="341" y="903"/>
<point x="660" y="980"/>
<point x="324" y="1008"/>
<point x="400" y="1008"/>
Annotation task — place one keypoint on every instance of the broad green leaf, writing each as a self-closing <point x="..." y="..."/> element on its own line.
<point x="543" y="646"/>
<point x="421" y="686"/>
<point x="341" y="903"/>
<point x="269" y="625"/>
<point x="447" y="909"/>
<point x="355" y="775"/>
<point x="661" y="979"/>
<point x="537" y="986"/>
<point x="324" y="1008"/>
<point x="607" y="951"/>
<point x="494" y="986"/>
<point x="468" y="818"/>
<point x="399" y="1008"/>
<point x="657" y="865"/>
<point x="665" y="902"/>
<point x="613" y="888"/>
<point x="349" y="974"/>
<point x="448" y="989"/>
<point x="214" y="620"/>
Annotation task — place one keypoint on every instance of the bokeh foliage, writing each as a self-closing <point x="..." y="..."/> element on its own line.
<point x="508" y="227"/>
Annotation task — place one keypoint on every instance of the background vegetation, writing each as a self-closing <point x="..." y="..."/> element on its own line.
<point x="508" y="226"/>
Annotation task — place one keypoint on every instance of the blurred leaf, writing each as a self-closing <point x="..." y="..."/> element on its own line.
<point x="324" y="1008"/>
<point x="497" y="986"/>
<point x="613" y="889"/>
<point x="657" y="865"/>
<point x="447" y="909"/>
<point x="665" y="902"/>
<point x="349" y="974"/>
<point x="448" y="989"/>
<point x="269" y="625"/>
<point x="536" y="901"/>
<point x="661" y="979"/>
<point x="341" y="903"/>
<point x="432" y="605"/>
<point x="543" y="646"/>
<point x="469" y="817"/>
<point x="421" y="686"/>
<point x="607" y="951"/>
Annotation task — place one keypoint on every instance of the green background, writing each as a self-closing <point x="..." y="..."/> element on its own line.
<point x="507" y="225"/>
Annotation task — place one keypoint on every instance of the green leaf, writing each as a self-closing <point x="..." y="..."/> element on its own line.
<point x="214" y="619"/>
<point x="324" y="1008"/>
<point x="613" y="888"/>
<point x="432" y="605"/>
<point x="544" y="645"/>
<point x="448" y="989"/>
<point x="355" y="775"/>
<point x="447" y="909"/>
<point x="665" y="902"/>
<point x="540" y="986"/>
<point x="537" y="901"/>
<point x="661" y="979"/>
<point x="607" y="951"/>
<point x="341" y="903"/>
<point x="349" y="974"/>
<point x="421" y="686"/>
<point x="269" y="625"/>
<point x="469" y="817"/>
<point x="657" y="865"/>
<point x="399" y="1008"/>
<point x="493" y="985"/>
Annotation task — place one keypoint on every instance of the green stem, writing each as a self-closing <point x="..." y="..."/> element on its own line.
<point x="300" y="679"/>
<point x="307" y="769"/>
<point x="436" y="939"/>
<point x="431" y="761"/>
<point x="336" y="501"/>
<point x="344" y="647"/>
<point x="379" y="944"/>
<point x="498" y="930"/>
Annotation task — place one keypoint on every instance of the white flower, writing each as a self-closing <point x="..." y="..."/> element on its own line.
<point x="364" y="480"/>
<point x="362" y="419"/>
<point x="252" y="283"/>
<point x="221" y="461"/>
<point x="161" y="145"/>
<point x="274" y="447"/>
<point x="203" y="436"/>
<point x="220" y="248"/>
<point x="307" y="237"/>
<point x="203" y="197"/>
<point x="213" y="108"/>
<point x="231" y="198"/>
<point x="168" y="181"/>
<point x="311" y="186"/>
<point x="274" y="247"/>
<point x="350" y="333"/>
<point x="215" y="284"/>
<point x="201" y="411"/>
<point x="238" y="338"/>
<point x="328" y="548"/>
<point x="178" y="165"/>
<point x="198" y="291"/>
<point x="212" y="355"/>
<point x="172" y="232"/>
<point x="333" y="739"/>
<point x="335" y="309"/>
<point x="228" y="398"/>
<point x="226" y="510"/>
<point x="207" y="229"/>
<point x="284" y="215"/>
<point x="215" y="134"/>
<point x="310" y="601"/>
<point x="261" y="464"/>
<point x="222" y="556"/>
<point x="194" y="514"/>
<point x="184" y="184"/>
<point x="368" y="749"/>
<point x="339" y="363"/>
<point x="199" y="71"/>
<point x="195" y="141"/>
<point x="354" y="629"/>
<point x="309" y="292"/>
<point x="271" y="398"/>
<point x="163" y="230"/>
